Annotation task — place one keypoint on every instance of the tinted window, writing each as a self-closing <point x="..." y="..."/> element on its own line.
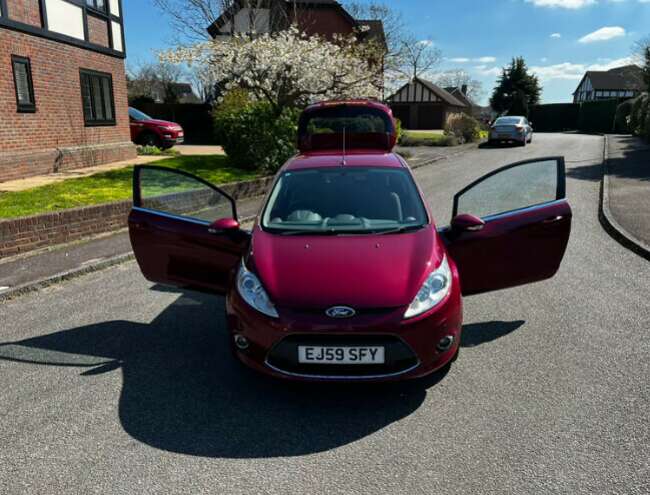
<point x="97" y="97"/>
<point x="170" y="192"/>
<point x="138" y="115"/>
<point x="23" y="84"/>
<point x="508" y="121"/>
<point x="343" y="200"/>
<point x="363" y="127"/>
<point x="527" y="184"/>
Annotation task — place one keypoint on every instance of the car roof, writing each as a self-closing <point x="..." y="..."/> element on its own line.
<point x="363" y="158"/>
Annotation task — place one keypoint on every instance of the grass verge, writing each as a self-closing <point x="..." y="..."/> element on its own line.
<point x="114" y="185"/>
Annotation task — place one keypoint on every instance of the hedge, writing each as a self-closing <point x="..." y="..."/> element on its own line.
<point x="589" y="116"/>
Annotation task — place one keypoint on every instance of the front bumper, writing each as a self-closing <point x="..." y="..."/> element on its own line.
<point x="410" y="344"/>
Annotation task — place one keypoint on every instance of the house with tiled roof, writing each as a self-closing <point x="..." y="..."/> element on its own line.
<point x="325" y="18"/>
<point x="620" y="82"/>
<point x="420" y="104"/>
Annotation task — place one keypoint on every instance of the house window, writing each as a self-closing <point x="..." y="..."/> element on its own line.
<point x="23" y="84"/>
<point x="97" y="5"/>
<point x="97" y="98"/>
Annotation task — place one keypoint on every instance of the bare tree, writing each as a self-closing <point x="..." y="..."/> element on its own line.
<point x="190" y="18"/>
<point x="458" y="78"/>
<point x="418" y="57"/>
<point x="156" y="81"/>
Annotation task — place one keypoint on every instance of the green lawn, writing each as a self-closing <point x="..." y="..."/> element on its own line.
<point x="110" y="186"/>
<point x="423" y="134"/>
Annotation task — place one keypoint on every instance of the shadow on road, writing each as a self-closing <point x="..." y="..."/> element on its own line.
<point x="184" y="392"/>
<point x="481" y="333"/>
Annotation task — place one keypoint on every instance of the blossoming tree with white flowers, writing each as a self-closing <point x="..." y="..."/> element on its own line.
<point x="287" y="68"/>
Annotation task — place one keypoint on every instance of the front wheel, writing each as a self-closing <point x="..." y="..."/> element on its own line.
<point x="150" y="139"/>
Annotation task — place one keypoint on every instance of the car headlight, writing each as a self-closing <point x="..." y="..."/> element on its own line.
<point x="434" y="289"/>
<point x="251" y="290"/>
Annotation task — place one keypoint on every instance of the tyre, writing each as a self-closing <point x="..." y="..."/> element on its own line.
<point x="150" y="139"/>
<point x="523" y="143"/>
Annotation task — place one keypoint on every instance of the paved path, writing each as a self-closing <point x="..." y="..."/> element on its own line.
<point x="42" y="180"/>
<point x="629" y="185"/>
<point x="109" y="384"/>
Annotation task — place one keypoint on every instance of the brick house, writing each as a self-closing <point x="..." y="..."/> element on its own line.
<point x="63" y="98"/>
<point x="314" y="17"/>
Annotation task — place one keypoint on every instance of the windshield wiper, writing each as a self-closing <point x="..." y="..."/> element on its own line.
<point x="400" y="230"/>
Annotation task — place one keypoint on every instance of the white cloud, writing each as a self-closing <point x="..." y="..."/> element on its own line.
<point x="571" y="71"/>
<point x="619" y="62"/>
<point x="566" y="70"/>
<point x="556" y="35"/>
<point x="563" y="4"/>
<point x="484" y="70"/>
<point x="603" y="34"/>
<point x="425" y="42"/>
<point x="480" y="60"/>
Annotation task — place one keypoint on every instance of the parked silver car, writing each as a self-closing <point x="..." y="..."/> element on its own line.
<point x="511" y="128"/>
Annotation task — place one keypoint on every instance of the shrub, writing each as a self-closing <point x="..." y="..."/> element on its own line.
<point x="639" y="114"/>
<point x="253" y="135"/>
<point x="464" y="128"/>
<point x="398" y="130"/>
<point x="622" y="117"/>
<point x="155" y="151"/>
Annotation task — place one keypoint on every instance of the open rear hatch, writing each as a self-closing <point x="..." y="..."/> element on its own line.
<point x="353" y="125"/>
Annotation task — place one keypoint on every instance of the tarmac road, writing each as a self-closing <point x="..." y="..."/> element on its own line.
<point x="111" y="385"/>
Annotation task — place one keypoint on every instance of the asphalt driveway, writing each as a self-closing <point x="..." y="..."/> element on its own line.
<point x="111" y="385"/>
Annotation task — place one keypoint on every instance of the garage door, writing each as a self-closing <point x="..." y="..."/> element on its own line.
<point x="402" y="112"/>
<point x="430" y="117"/>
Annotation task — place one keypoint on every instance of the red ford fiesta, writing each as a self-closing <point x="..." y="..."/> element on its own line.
<point x="344" y="275"/>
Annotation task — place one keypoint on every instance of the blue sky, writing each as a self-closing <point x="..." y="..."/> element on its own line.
<point x="560" y="39"/>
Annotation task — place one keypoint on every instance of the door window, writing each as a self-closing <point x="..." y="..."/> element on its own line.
<point x="517" y="186"/>
<point x="176" y="193"/>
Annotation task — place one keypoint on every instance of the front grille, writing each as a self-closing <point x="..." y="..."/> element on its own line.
<point x="399" y="357"/>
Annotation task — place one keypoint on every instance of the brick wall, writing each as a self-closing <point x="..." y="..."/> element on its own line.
<point x="27" y="11"/>
<point x="97" y="31"/>
<point x="21" y="235"/>
<point x="57" y="126"/>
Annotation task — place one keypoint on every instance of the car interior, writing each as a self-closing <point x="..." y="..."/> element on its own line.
<point x="364" y="198"/>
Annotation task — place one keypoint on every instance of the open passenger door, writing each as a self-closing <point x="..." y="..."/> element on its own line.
<point x="510" y="227"/>
<point x="184" y="230"/>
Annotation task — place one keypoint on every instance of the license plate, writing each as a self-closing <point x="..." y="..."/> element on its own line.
<point x="340" y="355"/>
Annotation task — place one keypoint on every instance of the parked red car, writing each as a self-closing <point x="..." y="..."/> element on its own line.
<point x="344" y="275"/>
<point x="152" y="132"/>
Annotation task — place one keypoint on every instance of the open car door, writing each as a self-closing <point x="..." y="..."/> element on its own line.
<point x="184" y="230"/>
<point x="510" y="227"/>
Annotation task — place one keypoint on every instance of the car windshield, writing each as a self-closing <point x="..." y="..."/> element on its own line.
<point x="508" y="121"/>
<point x="344" y="201"/>
<point x="138" y="115"/>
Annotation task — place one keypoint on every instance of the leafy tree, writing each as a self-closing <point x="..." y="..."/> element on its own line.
<point x="286" y="69"/>
<point x="646" y="67"/>
<point x="515" y="87"/>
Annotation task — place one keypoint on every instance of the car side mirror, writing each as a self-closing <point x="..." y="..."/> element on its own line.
<point x="223" y="225"/>
<point x="467" y="222"/>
